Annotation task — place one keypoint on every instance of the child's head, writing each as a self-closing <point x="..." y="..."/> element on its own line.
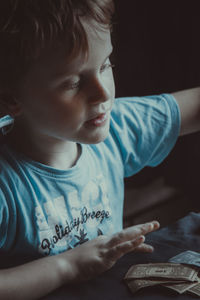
<point x="55" y="73"/>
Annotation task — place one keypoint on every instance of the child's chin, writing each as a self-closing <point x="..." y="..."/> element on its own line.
<point x="98" y="138"/>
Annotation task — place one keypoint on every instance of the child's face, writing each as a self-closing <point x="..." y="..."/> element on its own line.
<point x="71" y="100"/>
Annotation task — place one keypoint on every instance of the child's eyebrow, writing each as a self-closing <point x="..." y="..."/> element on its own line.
<point x="58" y="75"/>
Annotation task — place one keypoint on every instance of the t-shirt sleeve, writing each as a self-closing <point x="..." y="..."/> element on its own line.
<point x="4" y="220"/>
<point x="145" y="129"/>
<point x="8" y="214"/>
<point x="5" y="123"/>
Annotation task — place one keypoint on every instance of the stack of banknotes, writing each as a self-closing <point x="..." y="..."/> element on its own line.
<point x="180" y="274"/>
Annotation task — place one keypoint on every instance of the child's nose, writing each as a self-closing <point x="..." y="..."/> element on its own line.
<point x="98" y="91"/>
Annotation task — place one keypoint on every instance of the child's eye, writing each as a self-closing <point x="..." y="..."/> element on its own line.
<point x="70" y="86"/>
<point x="106" y="66"/>
<point x="74" y="85"/>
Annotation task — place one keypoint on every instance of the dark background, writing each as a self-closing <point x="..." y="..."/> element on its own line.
<point x="157" y="50"/>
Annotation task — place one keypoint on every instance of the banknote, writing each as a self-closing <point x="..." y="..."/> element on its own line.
<point x="187" y="257"/>
<point x="178" y="277"/>
<point x="181" y="287"/>
<point x="195" y="290"/>
<point x="137" y="284"/>
<point x="162" y="271"/>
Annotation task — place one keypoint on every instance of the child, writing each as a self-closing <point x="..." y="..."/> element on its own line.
<point x="67" y="144"/>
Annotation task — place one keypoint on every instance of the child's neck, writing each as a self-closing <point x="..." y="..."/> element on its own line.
<point x="55" y="153"/>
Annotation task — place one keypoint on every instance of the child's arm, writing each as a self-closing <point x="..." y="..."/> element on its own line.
<point x="38" y="278"/>
<point x="189" y="103"/>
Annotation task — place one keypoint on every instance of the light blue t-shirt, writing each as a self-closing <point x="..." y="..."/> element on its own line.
<point x="44" y="211"/>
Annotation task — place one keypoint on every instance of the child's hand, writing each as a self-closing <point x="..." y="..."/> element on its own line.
<point x="100" y="254"/>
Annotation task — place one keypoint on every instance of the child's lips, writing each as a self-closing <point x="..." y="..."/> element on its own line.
<point x="98" y="120"/>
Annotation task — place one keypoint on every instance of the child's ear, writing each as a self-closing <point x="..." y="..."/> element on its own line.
<point x="9" y="105"/>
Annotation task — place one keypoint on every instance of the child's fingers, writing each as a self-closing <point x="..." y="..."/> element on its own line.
<point x="119" y="250"/>
<point x="132" y="233"/>
<point x="144" y="248"/>
<point x="144" y="228"/>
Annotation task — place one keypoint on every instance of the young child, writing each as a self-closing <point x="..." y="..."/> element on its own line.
<point x="68" y="144"/>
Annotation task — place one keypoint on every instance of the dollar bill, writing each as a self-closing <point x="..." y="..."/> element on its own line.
<point x="162" y="270"/>
<point x="181" y="287"/>
<point x="137" y="284"/>
<point x="195" y="289"/>
<point x="187" y="257"/>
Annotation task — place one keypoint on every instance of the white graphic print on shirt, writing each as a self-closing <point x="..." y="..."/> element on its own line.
<point x="65" y="223"/>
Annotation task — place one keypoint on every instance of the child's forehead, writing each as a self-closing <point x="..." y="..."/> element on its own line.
<point x="59" y="63"/>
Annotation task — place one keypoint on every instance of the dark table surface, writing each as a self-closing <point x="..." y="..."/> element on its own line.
<point x="180" y="236"/>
